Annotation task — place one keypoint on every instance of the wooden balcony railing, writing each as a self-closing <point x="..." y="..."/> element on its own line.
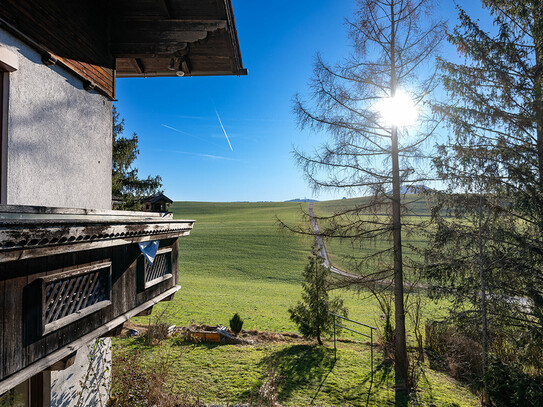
<point x="68" y="276"/>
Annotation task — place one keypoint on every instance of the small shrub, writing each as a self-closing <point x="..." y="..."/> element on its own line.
<point x="236" y="324"/>
<point x="510" y="386"/>
<point x="461" y="355"/>
<point x="157" y="328"/>
<point x="141" y="379"/>
<point x="156" y="333"/>
<point x="312" y="313"/>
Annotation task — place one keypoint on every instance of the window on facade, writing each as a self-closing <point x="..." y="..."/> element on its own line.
<point x="16" y="397"/>
<point x="8" y="63"/>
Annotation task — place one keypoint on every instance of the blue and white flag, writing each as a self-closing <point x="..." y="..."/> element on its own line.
<point x="149" y="250"/>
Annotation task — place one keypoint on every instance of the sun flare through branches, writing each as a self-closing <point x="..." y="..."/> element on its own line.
<point x="399" y="111"/>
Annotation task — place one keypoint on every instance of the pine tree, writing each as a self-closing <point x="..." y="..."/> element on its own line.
<point x="490" y="246"/>
<point x="125" y="181"/>
<point x="312" y="314"/>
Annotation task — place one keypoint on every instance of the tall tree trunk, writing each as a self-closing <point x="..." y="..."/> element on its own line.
<point x="538" y="81"/>
<point x="401" y="365"/>
<point x="483" y="301"/>
<point x="400" y="348"/>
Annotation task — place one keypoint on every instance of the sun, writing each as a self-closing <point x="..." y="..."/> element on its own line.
<point x="399" y="111"/>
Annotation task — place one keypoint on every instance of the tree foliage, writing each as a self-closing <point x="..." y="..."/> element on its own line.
<point x="488" y="225"/>
<point x="312" y="314"/>
<point x="236" y="324"/>
<point x="393" y="48"/>
<point x="126" y="183"/>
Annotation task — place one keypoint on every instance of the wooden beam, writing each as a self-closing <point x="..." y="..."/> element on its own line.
<point x="160" y="37"/>
<point x="63" y="363"/>
<point x="166" y="7"/>
<point x="138" y="65"/>
<point x="146" y="312"/>
<point x="114" y="332"/>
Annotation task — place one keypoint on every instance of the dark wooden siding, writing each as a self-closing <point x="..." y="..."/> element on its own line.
<point x="21" y="342"/>
<point x="76" y="31"/>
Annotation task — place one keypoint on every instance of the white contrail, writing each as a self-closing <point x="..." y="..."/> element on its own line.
<point x="188" y="134"/>
<point x="224" y="131"/>
<point x="179" y="131"/>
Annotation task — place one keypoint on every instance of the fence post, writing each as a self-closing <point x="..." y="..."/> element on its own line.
<point x="371" y="347"/>
<point x="335" y="349"/>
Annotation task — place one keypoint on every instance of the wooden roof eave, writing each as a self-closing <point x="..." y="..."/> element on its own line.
<point x="49" y="58"/>
<point x="234" y="39"/>
<point x="142" y="42"/>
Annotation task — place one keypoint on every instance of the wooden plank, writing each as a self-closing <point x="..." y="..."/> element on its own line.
<point x="175" y="261"/>
<point x="37" y="268"/>
<point x="13" y="358"/>
<point x="133" y="253"/>
<point x="2" y="306"/>
<point x="118" y="289"/>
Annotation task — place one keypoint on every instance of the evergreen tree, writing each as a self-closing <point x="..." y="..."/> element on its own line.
<point x="490" y="245"/>
<point x="312" y="314"/>
<point x="125" y="181"/>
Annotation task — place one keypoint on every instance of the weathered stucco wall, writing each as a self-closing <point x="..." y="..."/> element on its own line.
<point x="59" y="136"/>
<point x="87" y="381"/>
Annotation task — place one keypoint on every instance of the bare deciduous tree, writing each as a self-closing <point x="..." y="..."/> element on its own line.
<point x="360" y="103"/>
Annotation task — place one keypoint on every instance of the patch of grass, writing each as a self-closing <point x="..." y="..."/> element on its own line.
<point x="306" y="375"/>
<point x="237" y="260"/>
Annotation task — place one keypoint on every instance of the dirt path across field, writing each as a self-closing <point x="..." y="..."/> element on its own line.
<point x="322" y="248"/>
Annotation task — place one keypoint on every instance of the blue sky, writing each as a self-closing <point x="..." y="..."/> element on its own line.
<point x="180" y="136"/>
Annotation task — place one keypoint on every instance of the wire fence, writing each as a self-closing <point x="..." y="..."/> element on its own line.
<point x="370" y="336"/>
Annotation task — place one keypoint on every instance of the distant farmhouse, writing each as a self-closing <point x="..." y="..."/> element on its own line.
<point x="71" y="269"/>
<point x="156" y="203"/>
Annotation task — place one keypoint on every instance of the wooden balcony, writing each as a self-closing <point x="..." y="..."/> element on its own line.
<point x="68" y="276"/>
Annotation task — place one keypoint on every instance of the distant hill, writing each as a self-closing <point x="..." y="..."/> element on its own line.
<point x="302" y="200"/>
<point x="412" y="189"/>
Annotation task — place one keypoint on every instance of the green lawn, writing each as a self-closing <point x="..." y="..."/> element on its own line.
<point x="237" y="260"/>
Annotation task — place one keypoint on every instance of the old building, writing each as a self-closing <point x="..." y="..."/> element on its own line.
<point x="156" y="203"/>
<point x="71" y="269"/>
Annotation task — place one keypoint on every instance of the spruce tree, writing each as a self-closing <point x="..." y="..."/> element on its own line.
<point x="312" y="314"/>
<point x="487" y="242"/>
<point x="126" y="183"/>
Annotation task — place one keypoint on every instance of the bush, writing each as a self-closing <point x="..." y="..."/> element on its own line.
<point x="461" y="355"/>
<point x="236" y="324"/>
<point x="510" y="386"/>
<point x="141" y="379"/>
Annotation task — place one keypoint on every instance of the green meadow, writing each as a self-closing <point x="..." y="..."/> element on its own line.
<point x="346" y="254"/>
<point x="237" y="259"/>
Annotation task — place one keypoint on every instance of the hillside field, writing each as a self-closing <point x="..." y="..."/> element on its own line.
<point x="238" y="260"/>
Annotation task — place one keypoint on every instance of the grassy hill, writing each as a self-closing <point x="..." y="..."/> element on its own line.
<point x="345" y="253"/>
<point x="237" y="260"/>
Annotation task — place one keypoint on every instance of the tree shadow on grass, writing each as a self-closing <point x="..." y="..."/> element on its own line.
<point x="295" y="367"/>
<point x="308" y="367"/>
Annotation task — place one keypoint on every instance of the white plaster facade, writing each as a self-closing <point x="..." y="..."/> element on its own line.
<point x="58" y="136"/>
<point x="58" y="139"/>
<point x="87" y="381"/>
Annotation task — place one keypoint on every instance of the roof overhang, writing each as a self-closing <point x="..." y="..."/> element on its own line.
<point x="175" y="38"/>
<point x="99" y="40"/>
